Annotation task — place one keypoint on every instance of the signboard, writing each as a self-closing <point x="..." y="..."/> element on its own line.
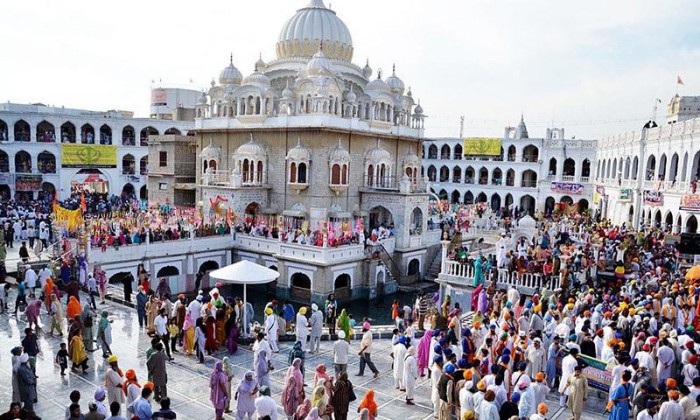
<point x="598" y="373"/>
<point x="690" y="203"/>
<point x="625" y="194"/>
<point x="653" y="198"/>
<point x="159" y="97"/>
<point x="479" y="146"/>
<point x="88" y="156"/>
<point x="6" y="179"/>
<point x="567" y="188"/>
<point x="28" y="182"/>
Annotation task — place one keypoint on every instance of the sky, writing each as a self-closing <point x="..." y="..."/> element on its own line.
<point x="594" y="67"/>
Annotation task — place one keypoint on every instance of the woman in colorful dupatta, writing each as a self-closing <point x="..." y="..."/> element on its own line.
<point x="220" y="330"/>
<point x="188" y="334"/>
<point x="369" y="404"/>
<point x="49" y="288"/>
<point x="218" y="385"/>
<point x="294" y="371"/>
<point x="290" y="396"/>
<point x="231" y="333"/>
<point x="228" y="370"/>
<point x="73" y="308"/>
<point x="343" y="323"/>
<point x="424" y="352"/>
<point x="211" y="345"/>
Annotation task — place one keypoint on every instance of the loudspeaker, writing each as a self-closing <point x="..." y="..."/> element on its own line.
<point x="690" y="243"/>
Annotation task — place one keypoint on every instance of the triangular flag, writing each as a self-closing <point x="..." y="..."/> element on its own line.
<point x="680" y="81"/>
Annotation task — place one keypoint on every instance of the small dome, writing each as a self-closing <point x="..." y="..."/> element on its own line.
<point x="212" y="151"/>
<point x="367" y="71"/>
<point x="252" y="149"/>
<point x="230" y="75"/>
<point x="288" y="93"/>
<point x="202" y="99"/>
<point x="318" y="65"/>
<point x="521" y="131"/>
<point x="299" y="153"/>
<point x="260" y="64"/>
<point x="409" y="93"/>
<point x="257" y="79"/>
<point x="378" y="154"/>
<point x="350" y="96"/>
<point x="395" y="84"/>
<point x="339" y="154"/>
<point x="410" y="159"/>
<point x="419" y="109"/>
<point x="378" y="85"/>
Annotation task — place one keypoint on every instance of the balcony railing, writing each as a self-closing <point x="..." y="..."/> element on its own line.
<point x="568" y="178"/>
<point x="530" y="158"/>
<point x="585" y="179"/>
<point x="392" y="183"/>
<point x="528" y="183"/>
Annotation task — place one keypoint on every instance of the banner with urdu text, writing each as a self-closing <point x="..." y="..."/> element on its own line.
<point x="480" y="146"/>
<point x="88" y="156"/>
<point x="72" y="219"/>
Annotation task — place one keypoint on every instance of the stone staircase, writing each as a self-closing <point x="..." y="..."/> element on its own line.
<point x="434" y="268"/>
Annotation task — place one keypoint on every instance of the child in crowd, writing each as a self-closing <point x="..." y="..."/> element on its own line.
<point x="62" y="359"/>
<point x="174" y="333"/>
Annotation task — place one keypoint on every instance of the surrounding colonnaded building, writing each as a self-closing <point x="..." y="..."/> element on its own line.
<point x="49" y="149"/>
<point x="530" y="173"/>
<point x="649" y="176"/>
<point x="311" y="145"/>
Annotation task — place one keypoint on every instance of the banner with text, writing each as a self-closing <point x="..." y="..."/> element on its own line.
<point x="625" y="194"/>
<point x="88" y="156"/>
<point x="567" y="188"/>
<point x="690" y="203"/>
<point x="653" y="198"/>
<point x="598" y="373"/>
<point x="479" y="146"/>
<point x="28" y="182"/>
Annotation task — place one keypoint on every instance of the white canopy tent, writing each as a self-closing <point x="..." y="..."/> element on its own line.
<point x="244" y="272"/>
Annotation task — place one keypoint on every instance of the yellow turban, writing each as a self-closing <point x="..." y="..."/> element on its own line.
<point x="302" y="310"/>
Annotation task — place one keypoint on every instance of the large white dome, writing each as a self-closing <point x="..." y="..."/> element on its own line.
<point x="311" y="26"/>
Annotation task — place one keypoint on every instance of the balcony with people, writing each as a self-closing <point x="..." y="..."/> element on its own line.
<point x="45" y="132"/>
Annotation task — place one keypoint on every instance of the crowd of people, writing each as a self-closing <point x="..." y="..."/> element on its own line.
<point x="625" y="300"/>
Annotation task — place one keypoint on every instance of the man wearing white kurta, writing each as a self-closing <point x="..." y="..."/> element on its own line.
<point x="567" y="369"/>
<point x="399" y="352"/>
<point x="410" y="374"/>
<point x="271" y="329"/>
<point x="501" y="251"/>
<point x="302" y="328"/>
<point x="536" y="358"/>
<point x="666" y="356"/>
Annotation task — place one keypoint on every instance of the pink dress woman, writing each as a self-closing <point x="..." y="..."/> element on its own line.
<point x="424" y="352"/>
<point x="218" y="384"/>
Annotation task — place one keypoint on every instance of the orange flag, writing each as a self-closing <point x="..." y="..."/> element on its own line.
<point x="83" y="204"/>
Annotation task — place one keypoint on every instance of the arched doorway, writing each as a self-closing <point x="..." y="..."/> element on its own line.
<point x="120" y="277"/>
<point x="657" y="219"/>
<point x="582" y="205"/>
<point x="569" y="167"/>
<point x="442" y="195"/>
<point x="46" y="163"/>
<point x="45" y="132"/>
<point x="668" y="225"/>
<point x="481" y="198"/>
<point x="68" y="132"/>
<point x="47" y="191"/>
<point x="105" y="134"/>
<point x="509" y="200"/>
<point x="414" y="267"/>
<point x="468" y="198"/>
<point x="341" y="287"/>
<point x="128" y="165"/>
<point x="444" y="174"/>
<point x="380" y="216"/>
<point x="143" y="193"/>
<point x="22" y="131"/>
<point x="5" y="192"/>
<point x="630" y="214"/>
<point x="251" y="212"/>
<point x="530" y="153"/>
<point x="469" y="175"/>
<point x="495" y="202"/>
<point x="23" y="162"/>
<point x="301" y="287"/>
<point x="148" y="131"/>
<point x="87" y="134"/>
<point x="4" y="162"/>
<point x="691" y="225"/>
<point x="171" y="274"/>
<point x="205" y="268"/>
<point x="128" y="190"/>
<point x="527" y="204"/>
<point x="432" y="173"/>
<point x="552" y="166"/>
<point x="172" y="131"/>
<point x="128" y="136"/>
<point x="529" y="179"/>
<point x="416" y="226"/>
<point x="549" y="205"/>
<point x="455" y="196"/>
<point x="432" y="152"/>
<point x="143" y="165"/>
<point x="566" y="199"/>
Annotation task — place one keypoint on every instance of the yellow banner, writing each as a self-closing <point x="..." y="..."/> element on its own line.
<point x="480" y="146"/>
<point x="88" y="156"/>
<point x="71" y="219"/>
